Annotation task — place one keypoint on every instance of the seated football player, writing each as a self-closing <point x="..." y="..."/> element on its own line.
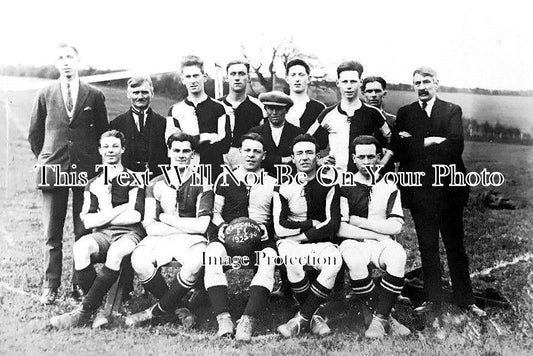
<point x="112" y="207"/>
<point x="371" y="214"/>
<point x="306" y="219"/>
<point x="177" y="213"/>
<point x="234" y="200"/>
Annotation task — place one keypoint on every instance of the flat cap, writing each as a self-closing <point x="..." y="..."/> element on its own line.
<point x="276" y="98"/>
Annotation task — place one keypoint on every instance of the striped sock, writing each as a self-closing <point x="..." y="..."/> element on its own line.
<point x="172" y="298"/>
<point x="391" y="288"/>
<point x="301" y="289"/>
<point x="365" y="290"/>
<point x="318" y="294"/>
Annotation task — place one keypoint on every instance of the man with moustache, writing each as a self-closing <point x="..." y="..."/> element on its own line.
<point x="143" y="128"/>
<point x="66" y="122"/>
<point x="430" y="131"/>
<point x="200" y="116"/>
<point x="245" y="111"/>
<point x="277" y="132"/>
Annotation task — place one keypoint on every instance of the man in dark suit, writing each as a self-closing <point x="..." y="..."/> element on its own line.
<point x="67" y="120"/>
<point x="428" y="132"/>
<point x="277" y="132"/>
<point x="143" y="128"/>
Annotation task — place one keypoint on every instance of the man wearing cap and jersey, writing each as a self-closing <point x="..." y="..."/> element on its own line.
<point x="244" y="111"/>
<point x="277" y="132"/>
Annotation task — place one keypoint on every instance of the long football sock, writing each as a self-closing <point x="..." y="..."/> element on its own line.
<point x="100" y="287"/>
<point x="318" y="294"/>
<point x="218" y="295"/>
<point x="172" y="297"/>
<point x="301" y="289"/>
<point x="257" y="301"/>
<point x="86" y="278"/>
<point x="365" y="289"/>
<point x="391" y="288"/>
<point x="156" y="285"/>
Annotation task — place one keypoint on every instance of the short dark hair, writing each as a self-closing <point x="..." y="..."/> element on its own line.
<point x="67" y="45"/>
<point x="135" y="82"/>
<point x="298" y="62"/>
<point x="192" y="61"/>
<point x="182" y="137"/>
<point x="114" y="133"/>
<point x="304" y="138"/>
<point x="254" y="136"/>
<point x="372" y="79"/>
<point x="239" y="61"/>
<point x="367" y="140"/>
<point x="349" y="66"/>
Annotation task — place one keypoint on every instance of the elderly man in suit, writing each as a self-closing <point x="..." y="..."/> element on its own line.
<point x="143" y="128"/>
<point x="67" y="120"/>
<point x="429" y="132"/>
<point x="277" y="132"/>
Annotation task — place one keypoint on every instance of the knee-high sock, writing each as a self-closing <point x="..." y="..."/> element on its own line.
<point x="156" y="285"/>
<point x="301" y="290"/>
<point x="365" y="290"/>
<point x="257" y="301"/>
<point x="86" y="277"/>
<point x="172" y="297"/>
<point x="218" y="295"/>
<point x="318" y="294"/>
<point x="391" y="287"/>
<point x="100" y="287"/>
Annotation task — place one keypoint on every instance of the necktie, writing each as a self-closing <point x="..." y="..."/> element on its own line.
<point x="141" y="122"/>
<point x="424" y="106"/>
<point x="140" y="117"/>
<point x="69" y="103"/>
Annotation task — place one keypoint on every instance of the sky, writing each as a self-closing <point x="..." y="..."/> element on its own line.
<point x="486" y="44"/>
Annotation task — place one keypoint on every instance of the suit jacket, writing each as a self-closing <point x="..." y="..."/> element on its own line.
<point x="445" y="121"/>
<point x="71" y="144"/>
<point x="274" y="152"/>
<point x="157" y="149"/>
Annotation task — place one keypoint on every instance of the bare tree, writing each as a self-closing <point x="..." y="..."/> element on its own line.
<point x="280" y="53"/>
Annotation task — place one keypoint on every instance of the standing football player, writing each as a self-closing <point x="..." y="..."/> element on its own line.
<point x="350" y="118"/>
<point x="112" y="207"/>
<point x="177" y="214"/>
<point x="200" y="116"/>
<point x="244" y="111"/>
<point x="234" y="200"/>
<point x="305" y="110"/>
<point x="371" y="214"/>
<point x="306" y="219"/>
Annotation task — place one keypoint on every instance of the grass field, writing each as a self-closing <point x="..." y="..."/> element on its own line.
<point x="492" y="236"/>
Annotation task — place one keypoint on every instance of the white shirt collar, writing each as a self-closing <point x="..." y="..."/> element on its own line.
<point x="429" y="106"/>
